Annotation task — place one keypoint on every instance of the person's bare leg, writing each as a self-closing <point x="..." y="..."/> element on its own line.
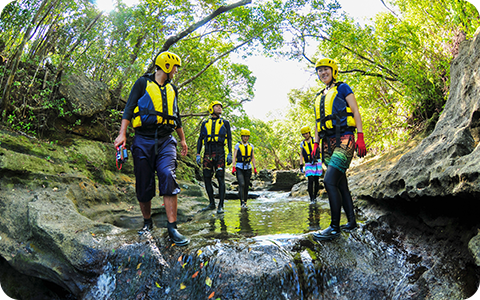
<point x="171" y="207"/>
<point x="146" y="208"/>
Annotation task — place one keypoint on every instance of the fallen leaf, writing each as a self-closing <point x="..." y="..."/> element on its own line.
<point x="182" y="286"/>
<point x="274" y="259"/>
<point x="157" y="285"/>
<point x="206" y="263"/>
<point x="180" y="259"/>
<point x="139" y="273"/>
<point x="138" y="266"/>
<point x="195" y="274"/>
<point x="183" y="266"/>
<point x="201" y="265"/>
<point x="208" y="282"/>
<point x="199" y="252"/>
<point x="211" y="295"/>
<point x="93" y="234"/>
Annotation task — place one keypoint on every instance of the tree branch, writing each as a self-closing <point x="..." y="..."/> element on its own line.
<point x="369" y="74"/>
<point x="211" y="63"/>
<point x="395" y="76"/>
<point x="173" y="39"/>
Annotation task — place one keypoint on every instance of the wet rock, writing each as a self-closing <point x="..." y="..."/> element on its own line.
<point x="474" y="246"/>
<point x="85" y="97"/>
<point x="284" y="180"/>
<point x="446" y="162"/>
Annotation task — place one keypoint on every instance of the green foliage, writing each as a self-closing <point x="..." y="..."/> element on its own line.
<point x="398" y="66"/>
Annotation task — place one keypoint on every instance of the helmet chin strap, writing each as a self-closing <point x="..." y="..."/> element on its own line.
<point x="330" y="83"/>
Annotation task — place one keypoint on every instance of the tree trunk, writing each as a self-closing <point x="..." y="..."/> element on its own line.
<point x="4" y="101"/>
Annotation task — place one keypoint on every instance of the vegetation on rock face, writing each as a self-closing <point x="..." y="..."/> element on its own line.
<point x="398" y="66"/>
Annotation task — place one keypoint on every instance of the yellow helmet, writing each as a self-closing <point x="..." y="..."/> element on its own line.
<point x="167" y="58"/>
<point x="327" y="62"/>
<point x="244" y="132"/>
<point x="212" y="104"/>
<point x="305" y="129"/>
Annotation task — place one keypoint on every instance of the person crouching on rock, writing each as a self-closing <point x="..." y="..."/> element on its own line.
<point x="243" y="159"/>
<point x="337" y="117"/>
<point x="313" y="166"/>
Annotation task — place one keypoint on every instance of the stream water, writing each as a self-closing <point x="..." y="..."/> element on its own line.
<point x="266" y="252"/>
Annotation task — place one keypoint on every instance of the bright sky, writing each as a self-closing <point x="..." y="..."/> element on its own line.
<point x="275" y="78"/>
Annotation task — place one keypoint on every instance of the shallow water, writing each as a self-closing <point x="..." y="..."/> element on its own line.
<point x="267" y="252"/>
<point x="270" y="214"/>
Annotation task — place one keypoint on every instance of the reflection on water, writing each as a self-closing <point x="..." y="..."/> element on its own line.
<point x="271" y="213"/>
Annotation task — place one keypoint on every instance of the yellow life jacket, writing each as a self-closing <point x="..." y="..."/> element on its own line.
<point x="245" y="153"/>
<point x="157" y="106"/>
<point x="308" y="147"/>
<point x="332" y="114"/>
<point x="213" y="127"/>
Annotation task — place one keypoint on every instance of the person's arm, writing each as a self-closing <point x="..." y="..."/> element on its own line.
<point x="229" y="136"/>
<point x="253" y="162"/>
<point x="183" y="143"/>
<point x="200" y="139"/>
<point x="234" y="159"/>
<point x="352" y="103"/>
<point x="137" y="91"/>
<point x="360" y="143"/>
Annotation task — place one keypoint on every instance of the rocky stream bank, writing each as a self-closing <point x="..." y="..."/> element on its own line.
<point x="68" y="223"/>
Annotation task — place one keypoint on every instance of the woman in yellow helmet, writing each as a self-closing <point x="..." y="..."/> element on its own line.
<point x="313" y="166"/>
<point x="337" y="118"/>
<point x="243" y="160"/>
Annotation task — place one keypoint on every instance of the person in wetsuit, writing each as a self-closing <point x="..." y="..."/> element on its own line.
<point x="214" y="133"/>
<point x="337" y="118"/>
<point x="152" y="109"/>
<point x="243" y="161"/>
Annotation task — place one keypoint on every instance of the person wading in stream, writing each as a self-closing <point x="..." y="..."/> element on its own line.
<point x="313" y="166"/>
<point x="243" y="159"/>
<point x="337" y="117"/>
<point x="214" y="133"/>
<point x="152" y="108"/>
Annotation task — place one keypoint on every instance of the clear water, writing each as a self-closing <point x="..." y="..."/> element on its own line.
<point x="270" y="214"/>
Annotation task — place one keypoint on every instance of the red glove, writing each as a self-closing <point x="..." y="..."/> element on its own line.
<point x="255" y="171"/>
<point x="234" y="169"/>
<point x="360" y="145"/>
<point x="314" y="151"/>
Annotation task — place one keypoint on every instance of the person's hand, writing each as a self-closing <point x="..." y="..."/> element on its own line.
<point x="360" y="145"/>
<point x="255" y="171"/>
<point x="229" y="159"/>
<point x="301" y="168"/>
<point x="234" y="170"/>
<point x="184" y="151"/>
<point x="198" y="159"/>
<point x="120" y="140"/>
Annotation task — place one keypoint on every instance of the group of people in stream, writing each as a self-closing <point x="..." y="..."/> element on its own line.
<point x="152" y="110"/>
